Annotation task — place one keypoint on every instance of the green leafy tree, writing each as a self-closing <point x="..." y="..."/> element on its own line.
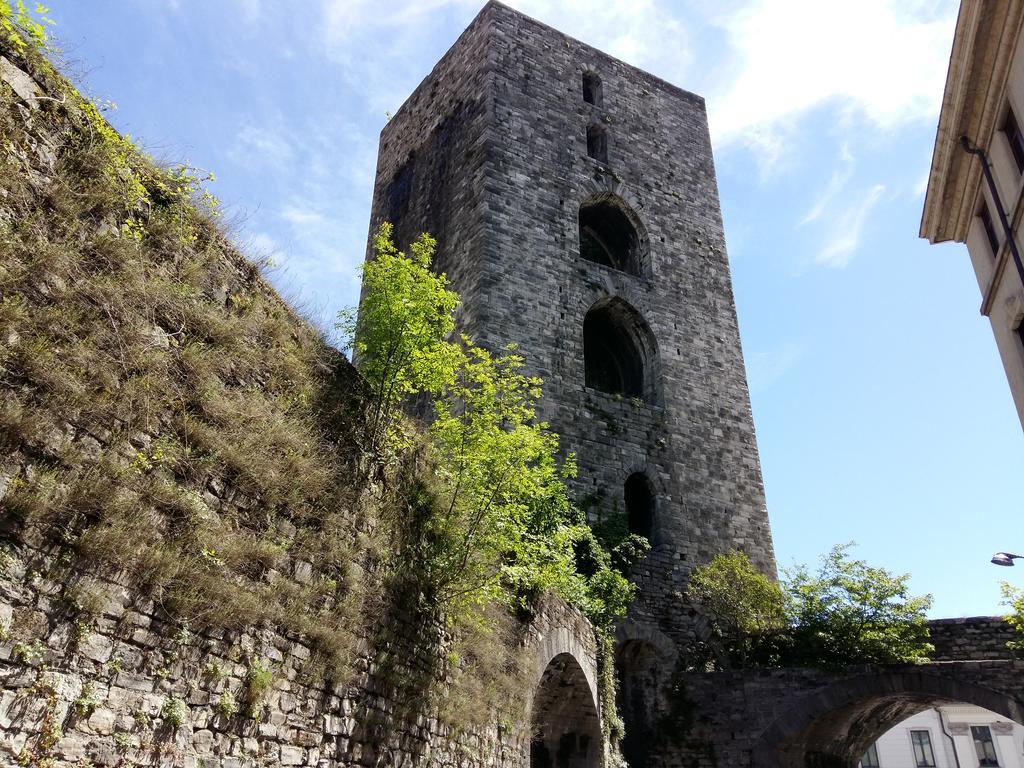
<point x="746" y="605"/>
<point x="852" y="613"/>
<point x="1014" y="598"/>
<point x="494" y="522"/>
<point x="846" y="613"/>
<point x="399" y="335"/>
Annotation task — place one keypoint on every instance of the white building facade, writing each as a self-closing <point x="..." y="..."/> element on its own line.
<point x="952" y="736"/>
<point x="984" y="102"/>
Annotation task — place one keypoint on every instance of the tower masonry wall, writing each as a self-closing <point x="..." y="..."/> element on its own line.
<point x="503" y="200"/>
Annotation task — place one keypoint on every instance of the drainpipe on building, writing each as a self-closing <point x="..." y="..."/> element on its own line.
<point x="948" y="735"/>
<point x="987" y="170"/>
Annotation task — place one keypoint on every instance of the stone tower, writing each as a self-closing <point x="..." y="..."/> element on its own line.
<point x="576" y="209"/>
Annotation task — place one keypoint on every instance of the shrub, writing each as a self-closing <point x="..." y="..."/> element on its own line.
<point x="174" y="713"/>
<point x="846" y="613"/>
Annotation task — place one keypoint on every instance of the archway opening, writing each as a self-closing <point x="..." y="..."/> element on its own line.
<point x="619" y="351"/>
<point x="610" y="233"/>
<point x="840" y="725"/>
<point x="947" y="736"/>
<point x="566" y="729"/>
<point x="639" y="500"/>
<point x="638" y="667"/>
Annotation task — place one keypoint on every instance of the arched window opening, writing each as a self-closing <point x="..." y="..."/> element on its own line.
<point x="610" y="234"/>
<point x="593" y="92"/>
<point x="619" y="352"/>
<point x="639" y="505"/>
<point x="597" y="143"/>
<point x="566" y="729"/>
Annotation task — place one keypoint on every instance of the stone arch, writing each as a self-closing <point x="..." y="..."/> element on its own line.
<point x="832" y="727"/>
<point x="564" y="719"/>
<point x="620" y="352"/>
<point x="611" y="234"/>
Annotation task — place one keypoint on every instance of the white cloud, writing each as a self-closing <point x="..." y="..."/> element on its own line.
<point x="253" y="144"/>
<point x="299" y="216"/>
<point x="884" y="58"/>
<point x="847" y="231"/>
<point x="765" y="368"/>
<point x="839" y="179"/>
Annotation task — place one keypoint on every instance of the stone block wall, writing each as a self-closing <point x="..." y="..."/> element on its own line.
<point x="133" y="688"/>
<point x="976" y="638"/>
<point x="123" y="681"/>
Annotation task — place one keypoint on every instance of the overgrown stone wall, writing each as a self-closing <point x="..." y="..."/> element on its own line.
<point x="249" y="639"/>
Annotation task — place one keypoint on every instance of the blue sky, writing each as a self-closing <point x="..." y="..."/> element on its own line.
<point x="882" y="411"/>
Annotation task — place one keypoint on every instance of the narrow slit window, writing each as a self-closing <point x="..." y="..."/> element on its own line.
<point x="639" y="505"/>
<point x="1013" y="135"/>
<point x="597" y="143"/>
<point x="990" y="230"/>
<point x="593" y="93"/>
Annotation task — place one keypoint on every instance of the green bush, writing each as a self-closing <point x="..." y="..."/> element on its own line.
<point x="846" y="613"/>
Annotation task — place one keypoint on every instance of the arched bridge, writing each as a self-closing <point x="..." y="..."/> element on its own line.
<point x="792" y="718"/>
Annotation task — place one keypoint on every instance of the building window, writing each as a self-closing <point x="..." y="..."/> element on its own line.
<point x="923" y="755"/>
<point x="984" y="747"/>
<point x="990" y="230"/>
<point x="593" y="93"/>
<point x="597" y="143"/>
<point x="620" y="356"/>
<point x="1016" y="139"/>
<point x="1020" y="331"/>
<point x="639" y="505"/>
<point x="870" y="757"/>
<point x="611" y="234"/>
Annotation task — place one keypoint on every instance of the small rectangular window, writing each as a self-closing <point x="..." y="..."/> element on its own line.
<point x="1016" y="139"/>
<point x="1020" y="331"/>
<point x="597" y="143"/>
<point x="990" y="230"/>
<point x="923" y="755"/>
<point x="984" y="747"/>
<point x="592" y="91"/>
<point x="870" y="758"/>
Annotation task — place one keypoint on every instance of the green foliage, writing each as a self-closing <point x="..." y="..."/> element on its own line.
<point x="740" y="596"/>
<point x="258" y="679"/>
<point x="227" y="706"/>
<point x="86" y="701"/>
<point x="846" y="613"/>
<point x="21" y="26"/>
<point x="174" y="713"/>
<point x="1013" y="597"/>
<point x="494" y="522"/>
<point x="398" y="336"/>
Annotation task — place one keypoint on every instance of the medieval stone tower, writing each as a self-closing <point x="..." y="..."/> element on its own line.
<point x="575" y="204"/>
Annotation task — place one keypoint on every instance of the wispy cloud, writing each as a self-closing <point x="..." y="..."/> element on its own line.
<point x="847" y="231"/>
<point x="839" y="179"/>
<point x="263" y="145"/>
<point x="883" y="58"/>
<point x="767" y="367"/>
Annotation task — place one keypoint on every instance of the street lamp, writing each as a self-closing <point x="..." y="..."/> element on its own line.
<point x="1005" y="558"/>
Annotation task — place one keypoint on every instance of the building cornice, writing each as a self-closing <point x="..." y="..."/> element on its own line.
<point x="983" y="46"/>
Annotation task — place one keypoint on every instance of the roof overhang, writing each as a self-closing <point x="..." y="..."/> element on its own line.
<point x="986" y="37"/>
